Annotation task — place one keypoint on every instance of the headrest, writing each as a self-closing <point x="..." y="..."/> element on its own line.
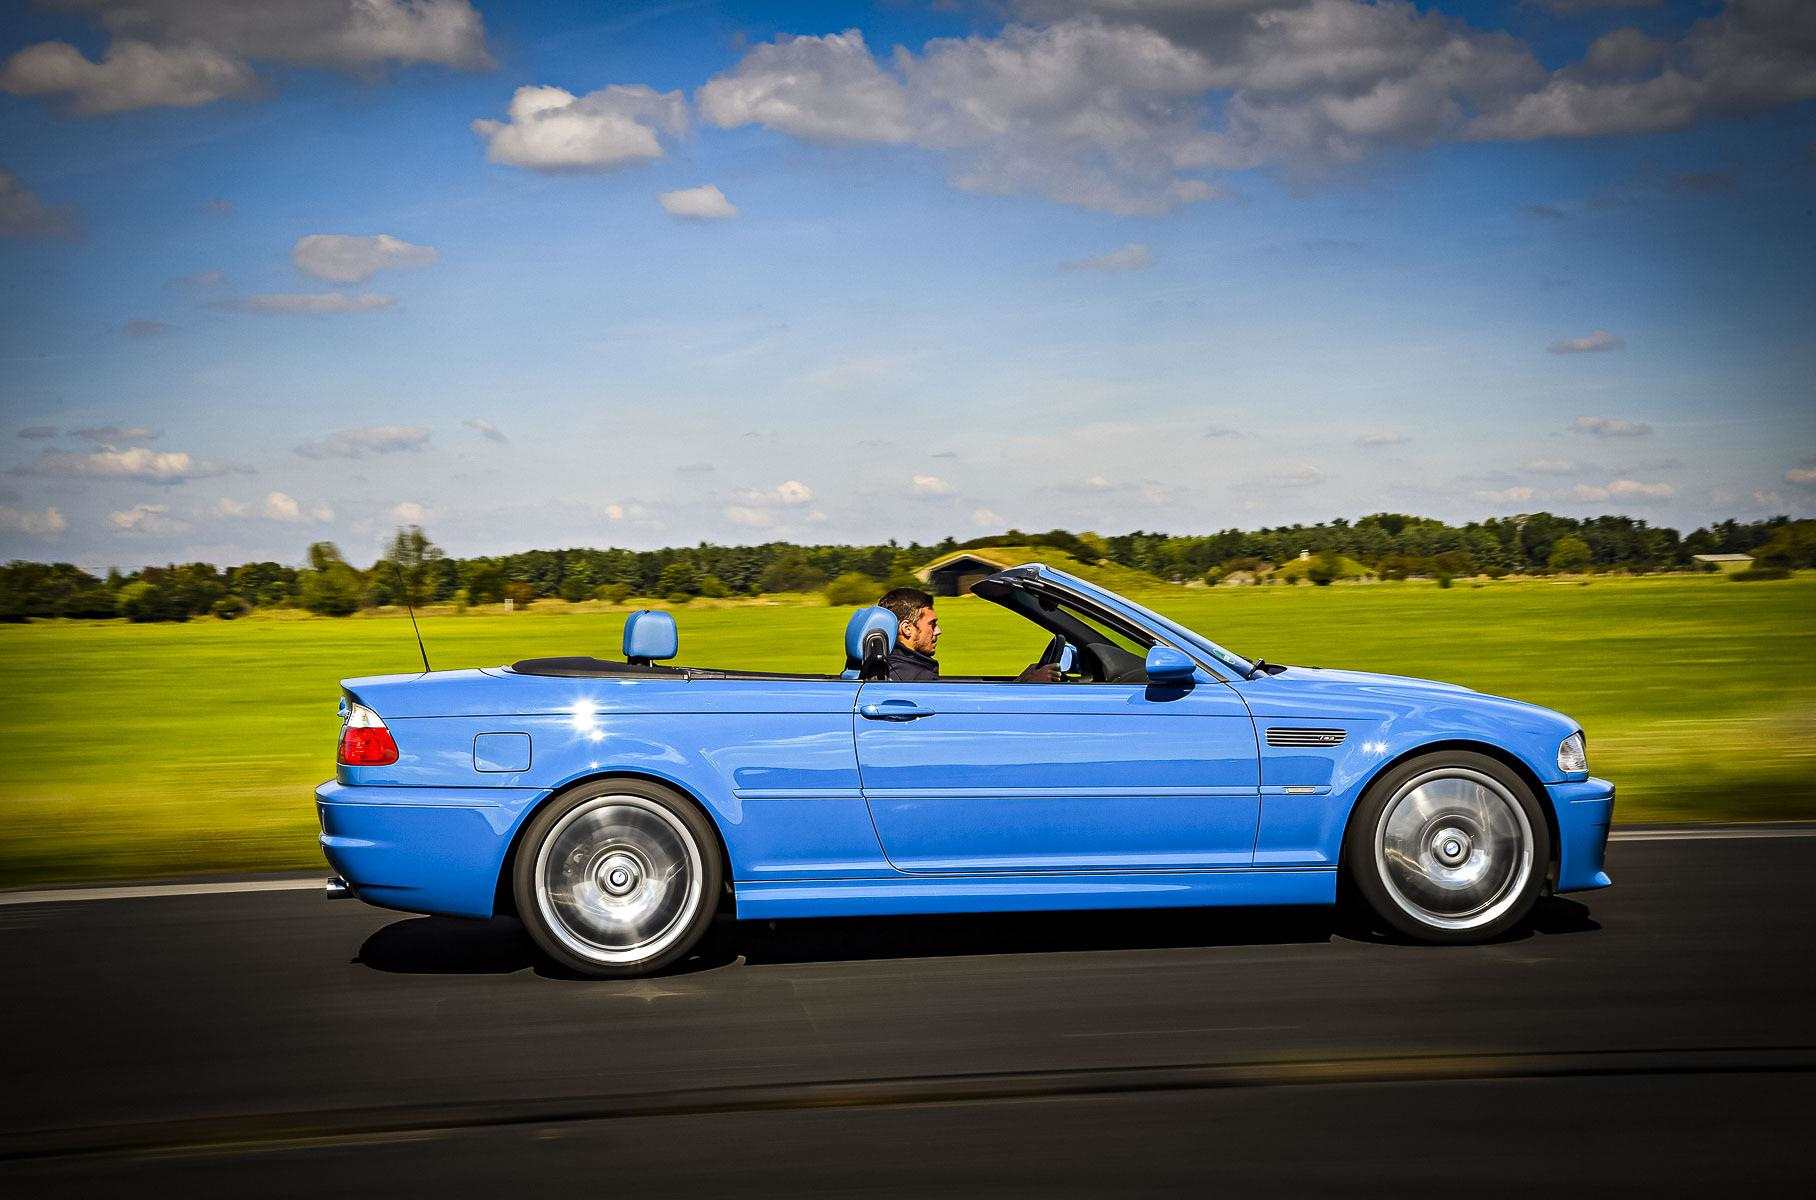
<point x="863" y="623"/>
<point x="648" y="636"/>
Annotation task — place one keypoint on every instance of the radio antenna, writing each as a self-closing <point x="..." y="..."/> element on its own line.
<point x="403" y="590"/>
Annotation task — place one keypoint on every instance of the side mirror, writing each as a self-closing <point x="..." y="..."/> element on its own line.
<point x="1068" y="659"/>
<point x="1167" y="665"/>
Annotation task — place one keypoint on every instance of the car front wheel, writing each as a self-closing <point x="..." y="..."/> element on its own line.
<point x="617" y="878"/>
<point x="1449" y="847"/>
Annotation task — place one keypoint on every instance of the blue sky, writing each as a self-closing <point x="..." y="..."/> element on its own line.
<point x="580" y="274"/>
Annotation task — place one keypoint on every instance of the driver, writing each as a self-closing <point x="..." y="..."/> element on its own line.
<point x="912" y="659"/>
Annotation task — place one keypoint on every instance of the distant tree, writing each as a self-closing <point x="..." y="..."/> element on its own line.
<point x="321" y="554"/>
<point x="333" y="591"/>
<point x="852" y="588"/>
<point x="1325" y="568"/>
<point x="1792" y="546"/>
<point x="483" y="580"/>
<point x="1569" y="553"/>
<point x="714" y="587"/>
<point x="411" y="555"/>
<point x="791" y="572"/>
<point x="521" y="595"/>
<point x="678" y="578"/>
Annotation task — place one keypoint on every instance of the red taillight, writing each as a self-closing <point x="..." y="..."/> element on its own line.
<point x="365" y="742"/>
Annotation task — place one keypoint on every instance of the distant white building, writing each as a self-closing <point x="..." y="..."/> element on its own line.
<point x="1726" y="563"/>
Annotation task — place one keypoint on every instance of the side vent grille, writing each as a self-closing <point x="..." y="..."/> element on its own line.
<point x="1305" y="737"/>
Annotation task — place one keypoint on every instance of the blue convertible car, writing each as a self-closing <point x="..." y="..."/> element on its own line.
<point x="617" y="807"/>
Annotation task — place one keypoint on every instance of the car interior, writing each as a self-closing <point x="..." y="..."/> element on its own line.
<point x="1090" y="646"/>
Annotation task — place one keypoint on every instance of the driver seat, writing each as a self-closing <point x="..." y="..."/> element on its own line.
<point x="869" y="637"/>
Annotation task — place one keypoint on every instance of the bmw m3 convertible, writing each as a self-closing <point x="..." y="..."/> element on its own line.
<point x="617" y="807"/>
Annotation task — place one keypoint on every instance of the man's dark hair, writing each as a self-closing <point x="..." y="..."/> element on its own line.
<point x="905" y="602"/>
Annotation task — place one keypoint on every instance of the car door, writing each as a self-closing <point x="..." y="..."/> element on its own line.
<point x="976" y="776"/>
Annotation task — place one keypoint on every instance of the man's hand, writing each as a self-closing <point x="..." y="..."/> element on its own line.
<point x="1040" y="673"/>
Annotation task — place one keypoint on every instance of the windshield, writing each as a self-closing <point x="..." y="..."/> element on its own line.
<point x="1174" y="629"/>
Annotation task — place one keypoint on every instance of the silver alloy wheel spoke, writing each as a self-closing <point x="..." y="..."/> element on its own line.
<point x="1454" y="848"/>
<point x="619" y="879"/>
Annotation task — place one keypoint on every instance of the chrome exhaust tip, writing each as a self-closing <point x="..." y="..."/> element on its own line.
<point x="337" y="888"/>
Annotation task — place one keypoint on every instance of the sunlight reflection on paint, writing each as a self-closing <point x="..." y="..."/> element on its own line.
<point x="583" y="719"/>
<point x="1374" y="747"/>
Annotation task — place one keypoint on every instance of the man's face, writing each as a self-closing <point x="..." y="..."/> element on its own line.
<point x="921" y="634"/>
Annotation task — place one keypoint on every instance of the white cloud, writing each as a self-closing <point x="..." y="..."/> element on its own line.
<point x="1625" y="489"/>
<point x="820" y="89"/>
<point x="1801" y="476"/>
<point x="281" y="507"/>
<point x="1295" y="475"/>
<point x="23" y="215"/>
<point x="1512" y="495"/>
<point x="1126" y="105"/>
<point x="228" y="507"/>
<point x="183" y="53"/>
<point x="1368" y="440"/>
<point x="1630" y="488"/>
<point x="46" y="524"/>
<point x="137" y="462"/>
<point x="345" y="259"/>
<point x="762" y="509"/>
<point x="1599" y="342"/>
<point x="311" y="303"/>
<point x="1080" y="112"/>
<point x="1768" y="500"/>
<point x="754" y="518"/>
<point x="131" y="75"/>
<point x="793" y="492"/>
<point x="1608" y="427"/>
<point x="551" y="129"/>
<point x="409" y="512"/>
<point x="705" y="203"/>
<point x="983" y="518"/>
<point x="373" y="439"/>
<point x="112" y="435"/>
<point x="1553" y="466"/>
<point x="148" y="518"/>
<point x="487" y="430"/>
<point x="929" y="485"/>
<point x="1132" y="257"/>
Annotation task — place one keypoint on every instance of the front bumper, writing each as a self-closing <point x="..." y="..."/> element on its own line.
<point x="1584" y="811"/>
<point x="428" y="850"/>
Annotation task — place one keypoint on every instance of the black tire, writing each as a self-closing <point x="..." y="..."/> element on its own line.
<point x="1449" y="847"/>
<point x="618" y="878"/>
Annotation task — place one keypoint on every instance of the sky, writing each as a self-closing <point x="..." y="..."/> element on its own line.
<point x="577" y="274"/>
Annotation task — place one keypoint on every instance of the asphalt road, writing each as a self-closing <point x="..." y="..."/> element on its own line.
<point x="1656" y="1037"/>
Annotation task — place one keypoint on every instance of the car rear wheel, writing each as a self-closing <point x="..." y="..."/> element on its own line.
<point x="1449" y="847"/>
<point x="617" y="878"/>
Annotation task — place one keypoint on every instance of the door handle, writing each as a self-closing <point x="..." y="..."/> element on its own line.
<point x="894" y="710"/>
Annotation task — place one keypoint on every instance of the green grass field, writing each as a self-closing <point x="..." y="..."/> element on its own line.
<point x="139" y="751"/>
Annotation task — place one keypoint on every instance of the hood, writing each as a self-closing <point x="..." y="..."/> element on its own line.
<point x="1365" y="679"/>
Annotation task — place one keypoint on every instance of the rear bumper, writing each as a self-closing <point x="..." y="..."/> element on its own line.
<point x="1584" y="810"/>
<point x="428" y="850"/>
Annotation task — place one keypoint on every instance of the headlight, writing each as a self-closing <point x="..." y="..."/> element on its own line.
<point x="1572" y="758"/>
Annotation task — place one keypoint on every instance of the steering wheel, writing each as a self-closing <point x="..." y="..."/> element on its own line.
<point x="1054" y="651"/>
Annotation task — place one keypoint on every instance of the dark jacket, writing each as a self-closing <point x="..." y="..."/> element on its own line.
<point x="911" y="666"/>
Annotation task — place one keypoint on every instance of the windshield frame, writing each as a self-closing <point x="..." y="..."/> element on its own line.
<point x="1208" y="653"/>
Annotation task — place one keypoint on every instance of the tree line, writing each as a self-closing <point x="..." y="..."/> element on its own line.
<point x="413" y="568"/>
